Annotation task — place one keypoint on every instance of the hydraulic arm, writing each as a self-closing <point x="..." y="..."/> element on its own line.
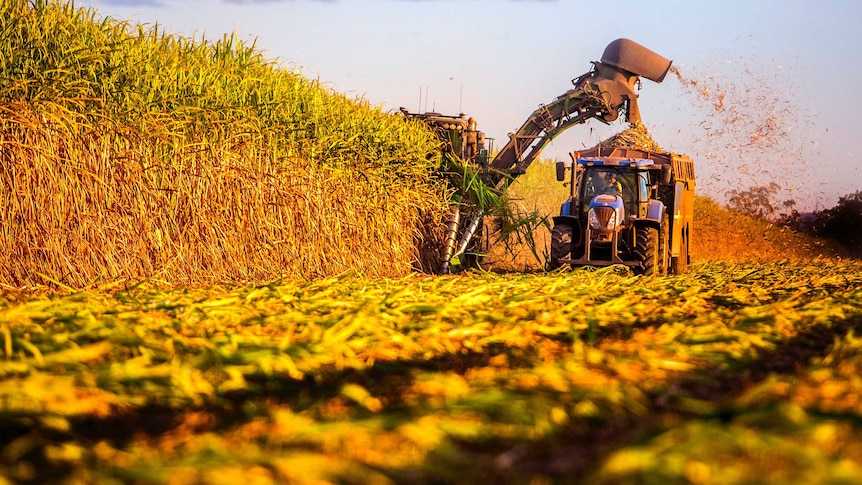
<point x="601" y="94"/>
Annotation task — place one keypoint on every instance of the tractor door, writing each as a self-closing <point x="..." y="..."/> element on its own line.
<point x="643" y="195"/>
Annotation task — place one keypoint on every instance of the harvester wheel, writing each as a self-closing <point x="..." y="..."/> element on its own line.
<point x="561" y="245"/>
<point x="647" y="250"/>
<point x="470" y="260"/>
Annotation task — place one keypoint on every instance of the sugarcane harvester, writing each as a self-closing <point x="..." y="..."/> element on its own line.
<point x="603" y="93"/>
<point x="463" y="142"/>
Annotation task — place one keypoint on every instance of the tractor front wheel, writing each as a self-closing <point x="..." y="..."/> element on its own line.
<point x="561" y="245"/>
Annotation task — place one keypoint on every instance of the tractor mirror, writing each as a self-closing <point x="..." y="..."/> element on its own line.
<point x="561" y="171"/>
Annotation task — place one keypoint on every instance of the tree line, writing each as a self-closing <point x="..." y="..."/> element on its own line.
<point x="841" y="223"/>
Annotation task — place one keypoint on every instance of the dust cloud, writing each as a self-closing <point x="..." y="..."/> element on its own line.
<point x="748" y="131"/>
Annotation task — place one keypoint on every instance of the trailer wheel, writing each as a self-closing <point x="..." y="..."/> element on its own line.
<point x="561" y="245"/>
<point x="679" y="265"/>
<point x="647" y="250"/>
<point x="663" y="248"/>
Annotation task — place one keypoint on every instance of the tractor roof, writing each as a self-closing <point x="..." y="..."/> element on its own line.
<point x="615" y="161"/>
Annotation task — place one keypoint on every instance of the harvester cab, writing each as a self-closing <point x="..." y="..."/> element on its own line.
<point x="460" y="135"/>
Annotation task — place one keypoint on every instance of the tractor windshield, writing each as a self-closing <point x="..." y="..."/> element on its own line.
<point x="608" y="180"/>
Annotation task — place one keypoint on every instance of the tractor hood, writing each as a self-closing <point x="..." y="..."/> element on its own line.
<point x="607" y="200"/>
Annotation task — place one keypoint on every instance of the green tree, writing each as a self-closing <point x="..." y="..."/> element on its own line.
<point x="792" y="218"/>
<point x="755" y="202"/>
<point x="843" y="223"/>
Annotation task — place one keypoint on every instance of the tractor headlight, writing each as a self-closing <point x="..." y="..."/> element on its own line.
<point x="602" y="218"/>
<point x="594" y="221"/>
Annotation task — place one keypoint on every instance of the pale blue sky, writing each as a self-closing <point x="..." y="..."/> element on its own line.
<point x="791" y="66"/>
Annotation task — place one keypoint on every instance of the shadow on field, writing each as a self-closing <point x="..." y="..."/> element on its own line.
<point x="574" y="453"/>
<point x="717" y="385"/>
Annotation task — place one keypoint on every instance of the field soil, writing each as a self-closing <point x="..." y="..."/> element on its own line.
<point x="731" y="373"/>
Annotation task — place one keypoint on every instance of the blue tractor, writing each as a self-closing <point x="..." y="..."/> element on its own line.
<point x="626" y="206"/>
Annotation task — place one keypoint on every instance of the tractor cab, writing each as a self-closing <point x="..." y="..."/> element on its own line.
<point x="596" y="178"/>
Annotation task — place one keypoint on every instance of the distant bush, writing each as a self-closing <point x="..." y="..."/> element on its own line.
<point x="841" y="224"/>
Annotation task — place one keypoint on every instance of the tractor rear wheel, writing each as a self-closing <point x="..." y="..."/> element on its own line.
<point x="647" y="250"/>
<point x="561" y="245"/>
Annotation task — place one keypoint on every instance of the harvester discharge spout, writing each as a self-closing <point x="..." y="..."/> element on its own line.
<point x="601" y="94"/>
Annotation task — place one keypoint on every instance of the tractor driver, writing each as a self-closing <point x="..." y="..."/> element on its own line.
<point x="613" y="186"/>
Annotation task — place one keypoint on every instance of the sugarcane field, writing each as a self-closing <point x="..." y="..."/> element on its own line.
<point x="218" y="270"/>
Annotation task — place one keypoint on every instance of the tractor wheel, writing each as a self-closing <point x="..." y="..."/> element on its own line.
<point x="561" y="245"/>
<point x="679" y="265"/>
<point x="647" y="250"/>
